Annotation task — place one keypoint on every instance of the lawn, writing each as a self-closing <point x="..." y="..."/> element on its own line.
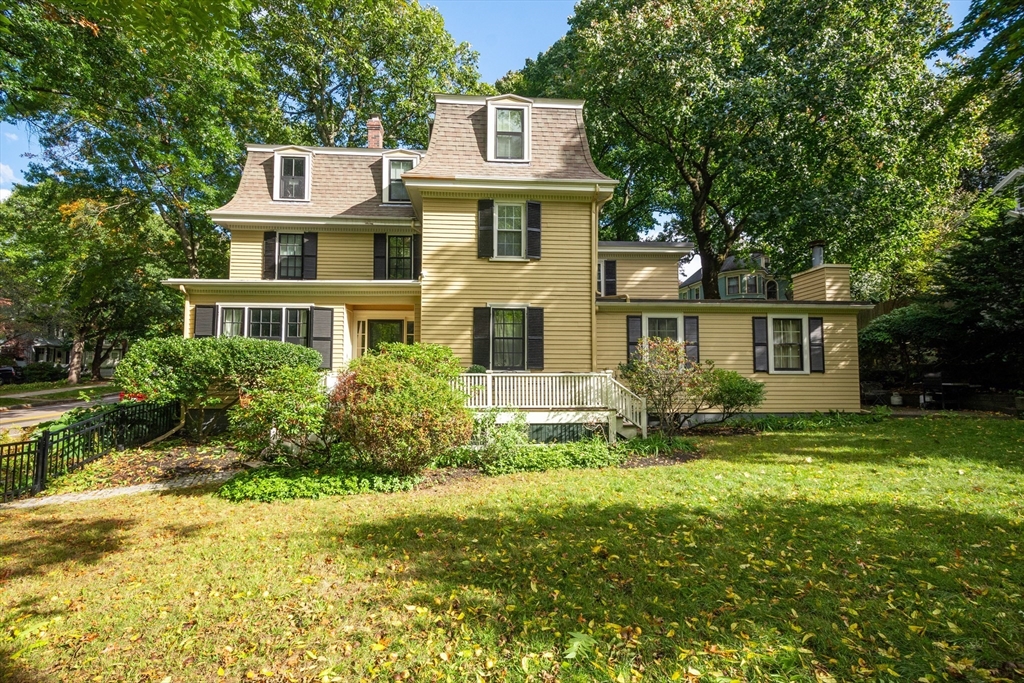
<point x="36" y="386"/>
<point x="85" y="392"/>
<point x="878" y="552"/>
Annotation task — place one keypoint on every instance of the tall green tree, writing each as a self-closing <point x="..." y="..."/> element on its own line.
<point x="765" y="124"/>
<point x="332" y="64"/>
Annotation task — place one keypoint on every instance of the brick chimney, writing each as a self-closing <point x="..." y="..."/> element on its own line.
<point x="375" y="133"/>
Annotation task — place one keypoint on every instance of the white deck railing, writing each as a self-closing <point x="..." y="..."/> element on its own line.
<point x="553" y="391"/>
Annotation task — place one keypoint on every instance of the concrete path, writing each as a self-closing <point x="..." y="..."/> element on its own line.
<point x="65" y="498"/>
<point x="18" y="418"/>
<point x="58" y="390"/>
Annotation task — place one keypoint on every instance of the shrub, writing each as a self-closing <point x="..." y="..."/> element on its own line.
<point x="397" y="407"/>
<point x="501" y="445"/>
<point x="476" y="369"/>
<point x="831" y="419"/>
<point x="733" y="393"/>
<point x="273" y="483"/>
<point x="285" y="420"/>
<point x="44" y="372"/>
<point x="658" y="444"/>
<point x="584" y="454"/>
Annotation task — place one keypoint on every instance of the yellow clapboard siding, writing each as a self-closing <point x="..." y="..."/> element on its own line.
<point x="647" y="278"/>
<point x="340" y="255"/>
<point x="727" y="339"/>
<point x="246" y="262"/>
<point x="828" y="282"/>
<point x="561" y="282"/>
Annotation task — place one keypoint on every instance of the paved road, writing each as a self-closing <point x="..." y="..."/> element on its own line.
<point x="26" y="417"/>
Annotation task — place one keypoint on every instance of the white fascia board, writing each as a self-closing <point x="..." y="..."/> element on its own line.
<point x="641" y="251"/>
<point x="1009" y="178"/>
<point x="174" y="282"/>
<point x="483" y="99"/>
<point x="762" y="306"/>
<point x="385" y="288"/>
<point x="512" y="184"/>
<point x="345" y="151"/>
<point x="298" y="219"/>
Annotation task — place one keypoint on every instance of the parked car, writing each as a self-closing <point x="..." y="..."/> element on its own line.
<point x="9" y="375"/>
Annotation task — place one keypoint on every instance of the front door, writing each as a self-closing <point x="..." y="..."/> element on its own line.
<point x="384" y="331"/>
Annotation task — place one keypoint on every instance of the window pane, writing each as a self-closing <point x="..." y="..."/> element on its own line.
<point x="510" y="120"/>
<point x="293" y="178"/>
<point x="385" y="332"/>
<point x="509" y="339"/>
<point x="751" y="284"/>
<point x="297" y="327"/>
<point x="664" y="328"/>
<point x="510" y="230"/>
<point x="787" y="339"/>
<point x="400" y="257"/>
<point x="265" y="323"/>
<point x="396" y="187"/>
<point x="733" y="285"/>
<point x="231" y="322"/>
<point x="290" y="252"/>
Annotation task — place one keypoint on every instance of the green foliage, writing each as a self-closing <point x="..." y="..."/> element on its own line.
<point x="733" y="393"/>
<point x="268" y="484"/>
<point x="192" y="370"/>
<point x="397" y="407"/>
<point x="285" y="419"/>
<point x="754" y="123"/>
<point x="476" y="369"/>
<point x="658" y="444"/>
<point x="903" y="342"/>
<point x="584" y="454"/>
<point x="830" y="420"/>
<point x="44" y="372"/>
<point x="72" y="416"/>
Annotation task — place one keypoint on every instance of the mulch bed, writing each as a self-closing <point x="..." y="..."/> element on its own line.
<point x="661" y="460"/>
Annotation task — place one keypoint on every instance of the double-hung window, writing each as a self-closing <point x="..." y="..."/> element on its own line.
<point x="265" y="323"/>
<point x="663" y="328"/>
<point x="788" y="344"/>
<point x="289" y="263"/>
<point x="509" y="127"/>
<point x="297" y="325"/>
<point x="732" y="285"/>
<point x="750" y="284"/>
<point x="293" y="178"/>
<point x="231" y="322"/>
<point x="509" y="339"/>
<point x="396" y="186"/>
<point x="510" y="222"/>
<point x="400" y="257"/>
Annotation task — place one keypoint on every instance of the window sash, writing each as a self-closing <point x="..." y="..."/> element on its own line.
<point x="396" y="186"/>
<point x="510" y="230"/>
<point x="663" y="328"/>
<point x="732" y="285"/>
<point x="297" y="324"/>
<point x="289" y="253"/>
<point x="265" y="323"/>
<point x="600" y="278"/>
<point x="508" y="339"/>
<point x="787" y="343"/>
<point x="508" y="142"/>
<point x="750" y="284"/>
<point x="231" y="320"/>
<point x="400" y="257"/>
<point x="293" y="178"/>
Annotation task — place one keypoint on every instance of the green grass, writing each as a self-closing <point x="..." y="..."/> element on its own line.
<point x="864" y="552"/>
<point x="70" y="395"/>
<point x="37" y="386"/>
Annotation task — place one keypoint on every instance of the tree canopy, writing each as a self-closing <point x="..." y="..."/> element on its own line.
<point x="762" y="124"/>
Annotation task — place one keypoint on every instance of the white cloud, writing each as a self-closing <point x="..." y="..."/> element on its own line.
<point x="11" y="136"/>
<point x="4" y="194"/>
<point x="6" y="174"/>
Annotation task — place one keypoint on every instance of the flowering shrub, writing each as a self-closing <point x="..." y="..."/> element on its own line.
<point x="397" y="407"/>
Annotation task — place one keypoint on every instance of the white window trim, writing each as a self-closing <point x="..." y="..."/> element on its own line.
<point x="398" y="155"/>
<point x="522" y="240"/>
<point x="805" y="347"/>
<point x="677" y="316"/>
<point x="526" y="334"/>
<point x="493" y="106"/>
<point x="218" y="318"/>
<point x="278" y="155"/>
<point x="600" y="277"/>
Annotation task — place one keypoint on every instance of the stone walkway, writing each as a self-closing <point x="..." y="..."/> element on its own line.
<point x="180" y="483"/>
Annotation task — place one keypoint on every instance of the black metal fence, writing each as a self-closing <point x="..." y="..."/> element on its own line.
<point x="26" y="466"/>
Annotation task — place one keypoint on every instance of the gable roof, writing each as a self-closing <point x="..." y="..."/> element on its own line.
<point x="458" y="143"/>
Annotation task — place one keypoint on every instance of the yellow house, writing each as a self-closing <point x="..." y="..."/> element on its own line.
<point x="487" y="243"/>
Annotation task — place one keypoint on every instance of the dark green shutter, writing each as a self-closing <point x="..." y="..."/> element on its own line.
<point x="533" y="230"/>
<point x="485" y="229"/>
<point x="309" y="240"/>
<point x="634" y="330"/>
<point x="816" y="339"/>
<point x="610" y="284"/>
<point x="270" y="255"/>
<point x="322" y="334"/>
<point x="760" y="344"/>
<point x="534" y="338"/>
<point x="380" y="256"/>
<point x="205" y="318"/>
<point x="482" y="336"/>
<point x="691" y="338"/>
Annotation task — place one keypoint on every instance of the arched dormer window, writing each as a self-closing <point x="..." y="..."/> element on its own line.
<point x="771" y="290"/>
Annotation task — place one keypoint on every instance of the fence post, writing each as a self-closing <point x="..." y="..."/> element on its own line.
<point x="42" y="462"/>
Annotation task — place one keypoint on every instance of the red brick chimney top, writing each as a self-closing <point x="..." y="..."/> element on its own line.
<point x="375" y="133"/>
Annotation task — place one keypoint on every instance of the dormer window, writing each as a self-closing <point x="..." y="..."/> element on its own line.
<point x="508" y="128"/>
<point x="509" y="131"/>
<point x="293" y="178"/>
<point x="292" y="168"/>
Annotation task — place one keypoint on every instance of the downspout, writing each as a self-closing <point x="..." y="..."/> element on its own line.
<point x="594" y="209"/>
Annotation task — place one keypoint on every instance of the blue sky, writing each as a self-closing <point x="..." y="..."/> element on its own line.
<point x="504" y="32"/>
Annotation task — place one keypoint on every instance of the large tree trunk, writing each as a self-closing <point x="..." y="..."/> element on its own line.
<point x="76" y="359"/>
<point x="98" y="358"/>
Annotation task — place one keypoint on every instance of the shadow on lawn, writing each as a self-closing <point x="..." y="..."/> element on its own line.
<point x="11" y="669"/>
<point x="753" y="578"/>
<point x="52" y="542"/>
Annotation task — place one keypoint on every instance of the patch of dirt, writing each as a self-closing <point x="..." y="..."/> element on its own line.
<point x="661" y="460"/>
<point x="434" y="479"/>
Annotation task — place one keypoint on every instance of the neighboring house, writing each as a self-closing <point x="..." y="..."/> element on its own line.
<point x="487" y="243"/>
<point x="740" y="277"/>
<point x="1014" y="180"/>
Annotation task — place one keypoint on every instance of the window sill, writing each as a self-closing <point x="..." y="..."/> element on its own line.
<point x="790" y="372"/>
<point x="292" y="201"/>
<point x="396" y="203"/>
<point x="511" y="259"/>
<point x="509" y="161"/>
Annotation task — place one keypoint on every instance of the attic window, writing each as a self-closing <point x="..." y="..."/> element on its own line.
<point x="508" y="143"/>
<point x="293" y="178"/>
<point x="508" y="128"/>
<point x="396" y="163"/>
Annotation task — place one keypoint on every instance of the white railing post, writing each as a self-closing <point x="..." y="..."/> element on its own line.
<point x="490" y="389"/>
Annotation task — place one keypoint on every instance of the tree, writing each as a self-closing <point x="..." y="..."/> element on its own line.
<point x="995" y="76"/>
<point x="332" y="64"/>
<point x="88" y="266"/>
<point x="764" y="124"/>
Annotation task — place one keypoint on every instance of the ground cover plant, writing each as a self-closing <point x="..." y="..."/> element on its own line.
<point x="277" y="483"/>
<point x="844" y="553"/>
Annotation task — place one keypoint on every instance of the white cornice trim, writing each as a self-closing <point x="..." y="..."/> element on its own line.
<point x="407" y="288"/>
<point x="232" y="219"/>
<point x="511" y="184"/>
<point x="483" y="99"/>
<point x="696" y="304"/>
<point x="646" y="251"/>
<point x="344" y="151"/>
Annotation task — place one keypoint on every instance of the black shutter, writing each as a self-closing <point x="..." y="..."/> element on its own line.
<point x="417" y="256"/>
<point x="270" y="255"/>
<point x="691" y="338"/>
<point x="485" y="229"/>
<point x="609" y="278"/>
<point x="634" y="330"/>
<point x="205" y="317"/>
<point x="482" y="336"/>
<point x="533" y="230"/>
<point x="760" y="344"/>
<point x="322" y="334"/>
<point x="380" y="256"/>
<point x="534" y="338"/>
<point x="309" y="240"/>
<point x="816" y="337"/>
